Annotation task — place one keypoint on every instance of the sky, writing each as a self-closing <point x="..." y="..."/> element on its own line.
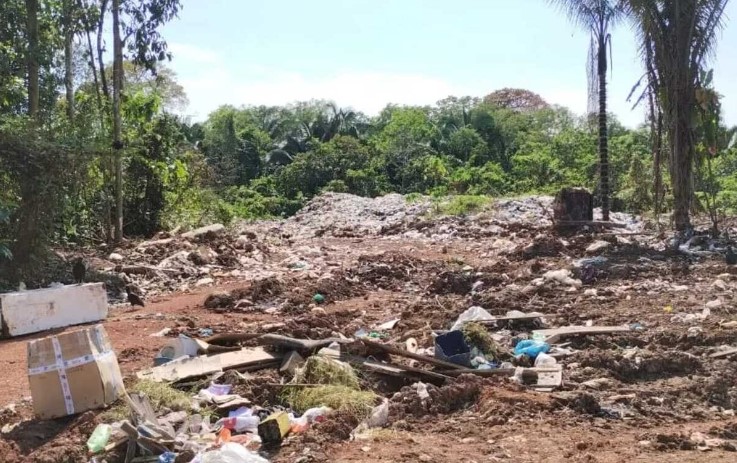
<point x="365" y="54"/>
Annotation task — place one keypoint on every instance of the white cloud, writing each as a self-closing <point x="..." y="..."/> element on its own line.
<point x="210" y="83"/>
<point x="365" y="91"/>
<point x="193" y="54"/>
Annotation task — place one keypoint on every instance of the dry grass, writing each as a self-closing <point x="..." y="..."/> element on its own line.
<point x="341" y="398"/>
<point x="478" y="335"/>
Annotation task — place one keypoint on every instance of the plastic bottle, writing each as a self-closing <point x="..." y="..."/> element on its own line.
<point x="99" y="438"/>
<point x="543" y="360"/>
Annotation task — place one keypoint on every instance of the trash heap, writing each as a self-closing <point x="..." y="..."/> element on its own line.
<point x="256" y="392"/>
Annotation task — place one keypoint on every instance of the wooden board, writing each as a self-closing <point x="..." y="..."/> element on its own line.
<point x="405" y="353"/>
<point x="723" y="353"/>
<point x="206" y="365"/>
<point x="553" y="335"/>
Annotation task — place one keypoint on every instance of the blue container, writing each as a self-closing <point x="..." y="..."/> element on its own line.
<point x="452" y="347"/>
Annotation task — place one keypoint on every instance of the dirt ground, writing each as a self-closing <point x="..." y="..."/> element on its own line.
<point x="643" y="396"/>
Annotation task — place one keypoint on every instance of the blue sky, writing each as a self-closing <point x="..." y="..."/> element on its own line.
<point x="367" y="53"/>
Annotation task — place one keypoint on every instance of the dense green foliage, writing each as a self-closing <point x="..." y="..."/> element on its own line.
<point x="57" y="164"/>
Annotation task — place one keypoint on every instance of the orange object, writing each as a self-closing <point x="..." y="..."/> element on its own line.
<point x="224" y="436"/>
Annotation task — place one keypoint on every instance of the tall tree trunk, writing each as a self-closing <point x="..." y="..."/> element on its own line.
<point x="100" y="60"/>
<point x="32" y="58"/>
<point x="117" y="120"/>
<point x="603" y="130"/>
<point x="681" y="161"/>
<point x="96" y="81"/>
<point x="68" y="50"/>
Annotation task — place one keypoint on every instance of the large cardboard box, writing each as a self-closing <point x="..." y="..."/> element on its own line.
<point x="37" y="310"/>
<point x="73" y="372"/>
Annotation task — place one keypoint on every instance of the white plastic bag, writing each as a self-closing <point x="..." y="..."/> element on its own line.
<point x="473" y="314"/>
<point x="231" y="453"/>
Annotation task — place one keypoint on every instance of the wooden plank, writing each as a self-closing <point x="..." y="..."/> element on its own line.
<point x="553" y="335"/>
<point x="485" y="373"/>
<point x="723" y="353"/>
<point x="299" y="344"/>
<point x="402" y="371"/>
<point x="204" y="365"/>
<point x="593" y="223"/>
<point x="230" y="338"/>
<point x="405" y="353"/>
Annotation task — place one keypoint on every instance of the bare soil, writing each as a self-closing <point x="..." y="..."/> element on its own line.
<point x="654" y="387"/>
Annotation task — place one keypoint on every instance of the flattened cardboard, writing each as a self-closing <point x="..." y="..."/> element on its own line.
<point x="83" y="376"/>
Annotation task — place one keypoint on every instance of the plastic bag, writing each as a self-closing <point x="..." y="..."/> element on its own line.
<point x="231" y="453"/>
<point x="531" y="348"/>
<point x="473" y="314"/>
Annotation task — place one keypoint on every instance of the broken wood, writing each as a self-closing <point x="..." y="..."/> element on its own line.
<point x="553" y="335"/>
<point x="177" y="370"/>
<point x="404" y="353"/>
<point x="286" y="342"/>
<point x="146" y="270"/>
<point x="230" y="338"/>
<point x="512" y="318"/>
<point x="723" y="353"/>
<point x="590" y="223"/>
<point x="403" y="371"/>
<point x="484" y="373"/>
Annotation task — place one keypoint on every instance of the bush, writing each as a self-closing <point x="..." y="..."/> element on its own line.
<point x="461" y="205"/>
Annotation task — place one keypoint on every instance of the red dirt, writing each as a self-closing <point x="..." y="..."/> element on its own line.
<point x="670" y="392"/>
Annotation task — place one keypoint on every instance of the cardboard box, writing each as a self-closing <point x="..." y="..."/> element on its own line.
<point x="73" y="372"/>
<point x="37" y="310"/>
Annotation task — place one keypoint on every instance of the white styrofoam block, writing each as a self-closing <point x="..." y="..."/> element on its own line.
<point x="37" y="310"/>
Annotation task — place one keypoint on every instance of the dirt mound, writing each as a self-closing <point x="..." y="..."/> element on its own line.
<point x="453" y="282"/>
<point x="337" y="427"/>
<point x="645" y="366"/>
<point x="409" y="401"/>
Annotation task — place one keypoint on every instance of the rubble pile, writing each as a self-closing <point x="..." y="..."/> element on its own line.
<point x="373" y="329"/>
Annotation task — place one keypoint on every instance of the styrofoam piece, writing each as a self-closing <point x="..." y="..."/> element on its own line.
<point x="25" y="312"/>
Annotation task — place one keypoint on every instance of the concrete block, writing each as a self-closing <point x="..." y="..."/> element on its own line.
<point x="37" y="310"/>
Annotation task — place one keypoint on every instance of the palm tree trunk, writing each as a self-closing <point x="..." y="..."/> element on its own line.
<point x="603" y="133"/>
<point x="681" y="166"/>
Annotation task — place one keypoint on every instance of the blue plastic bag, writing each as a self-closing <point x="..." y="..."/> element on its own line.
<point x="531" y="348"/>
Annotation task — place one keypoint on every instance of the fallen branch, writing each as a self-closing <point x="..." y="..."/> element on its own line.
<point x="405" y="353"/>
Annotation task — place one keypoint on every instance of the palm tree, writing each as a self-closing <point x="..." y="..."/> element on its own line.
<point x="598" y="17"/>
<point x="677" y="36"/>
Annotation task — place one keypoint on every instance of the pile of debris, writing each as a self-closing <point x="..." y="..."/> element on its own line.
<point x="257" y="392"/>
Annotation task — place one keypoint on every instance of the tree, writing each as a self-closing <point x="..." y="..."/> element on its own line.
<point x="677" y="37"/>
<point x="139" y="21"/>
<point x="32" y="56"/>
<point x="598" y="17"/>
<point x="117" y="120"/>
<point x="517" y="99"/>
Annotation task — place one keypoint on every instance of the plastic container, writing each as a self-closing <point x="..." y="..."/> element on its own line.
<point x="167" y="457"/>
<point x="543" y="360"/>
<point x="99" y="438"/>
<point x="531" y="348"/>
